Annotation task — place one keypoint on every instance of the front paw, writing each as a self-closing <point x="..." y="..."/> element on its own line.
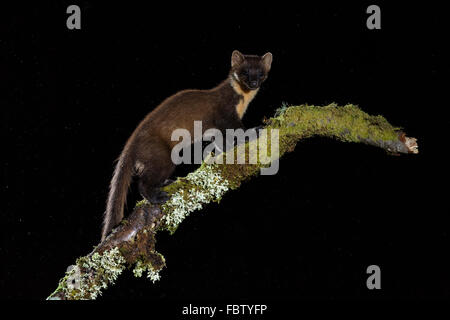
<point x="158" y="197"/>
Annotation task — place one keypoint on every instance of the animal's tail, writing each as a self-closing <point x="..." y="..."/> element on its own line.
<point x="118" y="190"/>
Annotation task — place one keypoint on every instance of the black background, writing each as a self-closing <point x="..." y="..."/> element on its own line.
<point x="72" y="97"/>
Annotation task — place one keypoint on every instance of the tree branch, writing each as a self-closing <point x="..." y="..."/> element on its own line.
<point x="132" y="244"/>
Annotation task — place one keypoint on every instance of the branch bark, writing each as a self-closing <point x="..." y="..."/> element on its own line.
<point x="132" y="244"/>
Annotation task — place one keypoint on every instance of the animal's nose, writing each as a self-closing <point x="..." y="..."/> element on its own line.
<point x="253" y="83"/>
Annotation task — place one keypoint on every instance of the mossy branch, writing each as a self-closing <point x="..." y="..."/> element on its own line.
<point x="132" y="244"/>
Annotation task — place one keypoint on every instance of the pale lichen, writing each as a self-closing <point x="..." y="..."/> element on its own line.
<point x="91" y="274"/>
<point x="152" y="273"/>
<point x="279" y="112"/>
<point x="206" y="185"/>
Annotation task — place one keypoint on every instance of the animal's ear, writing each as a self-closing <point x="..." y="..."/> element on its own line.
<point x="267" y="61"/>
<point x="236" y="58"/>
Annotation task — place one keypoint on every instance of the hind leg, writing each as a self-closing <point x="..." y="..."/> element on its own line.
<point x="154" y="175"/>
<point x="153" y="194"/>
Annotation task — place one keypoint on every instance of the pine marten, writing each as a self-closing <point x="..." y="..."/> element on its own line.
<point x="147" y="153"/>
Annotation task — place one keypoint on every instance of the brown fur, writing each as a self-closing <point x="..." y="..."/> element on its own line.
<point x="148" y="150"/>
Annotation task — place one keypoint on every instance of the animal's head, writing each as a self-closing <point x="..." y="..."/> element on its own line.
<point x="250" y="71"/>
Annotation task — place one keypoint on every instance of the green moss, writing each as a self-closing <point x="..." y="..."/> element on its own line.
<point x="348" y="124"/>
<point x="141" y="203"/>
